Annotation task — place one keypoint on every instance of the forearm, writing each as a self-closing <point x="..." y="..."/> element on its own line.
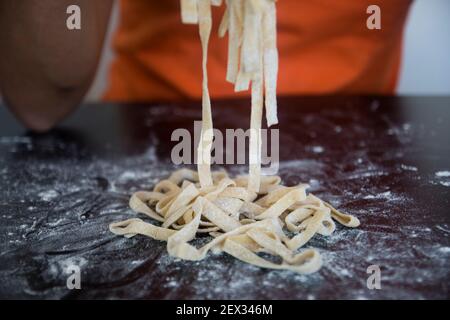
<point x="45" y="69"/>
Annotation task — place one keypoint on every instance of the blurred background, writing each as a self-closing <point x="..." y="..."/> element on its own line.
<point x="426" y="52"/>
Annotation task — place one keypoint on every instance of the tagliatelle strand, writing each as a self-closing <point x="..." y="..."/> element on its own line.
<point x="206" y="136"/>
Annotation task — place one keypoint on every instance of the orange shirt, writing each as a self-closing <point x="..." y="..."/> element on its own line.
<point x="324" y="46"/>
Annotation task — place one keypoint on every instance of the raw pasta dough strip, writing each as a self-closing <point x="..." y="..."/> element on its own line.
<point x="189" y="12"/>
<point x="309" y="261"/>
<point x="206" y="136"/>
<point x="269" y="27"/>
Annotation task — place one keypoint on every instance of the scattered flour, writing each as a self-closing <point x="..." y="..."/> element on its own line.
<point x="441" y="174"/>
<point x="445" y="250"/>
<point x="443" y="228"/>
<point x="409" y="168"/>
<point x="387" y="195"/>
<point x="442" y="178"/>
<point x="318" y="149"/>
<point x="78" y="261"/>
<point x="56" y="223"/>
<point x="48" y="195"/>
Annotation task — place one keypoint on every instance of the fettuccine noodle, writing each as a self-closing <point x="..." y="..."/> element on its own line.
<point x="247" y="215"/>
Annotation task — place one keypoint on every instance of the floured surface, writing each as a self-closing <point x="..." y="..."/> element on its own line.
<point x="60" y="192"/>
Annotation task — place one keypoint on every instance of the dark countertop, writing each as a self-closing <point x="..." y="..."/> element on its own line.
<point x="383" y="159"/>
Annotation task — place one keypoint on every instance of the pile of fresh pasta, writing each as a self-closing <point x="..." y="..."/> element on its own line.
<point x="253" y="218"/>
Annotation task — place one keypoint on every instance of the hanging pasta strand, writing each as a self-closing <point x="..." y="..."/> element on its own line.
<point x="206" y="136"/>
<point x="189" y="11"/>
<point x="246" y="215"/>
<point x="234" y="39"/>
<point x="252" y="47"/>
<point x="269" y="29"/>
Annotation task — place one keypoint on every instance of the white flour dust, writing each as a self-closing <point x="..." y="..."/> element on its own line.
<point x="441" y="178"/>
